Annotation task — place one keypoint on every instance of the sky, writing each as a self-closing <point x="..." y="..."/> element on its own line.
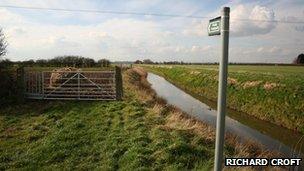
<point x="41" y="34"/>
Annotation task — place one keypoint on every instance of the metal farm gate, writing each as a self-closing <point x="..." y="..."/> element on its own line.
<point x="73" y="85"/>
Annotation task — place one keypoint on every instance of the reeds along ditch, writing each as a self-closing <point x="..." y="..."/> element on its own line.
<point x="175" y="119"/>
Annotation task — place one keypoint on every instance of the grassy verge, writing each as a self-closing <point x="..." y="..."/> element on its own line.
<point x="274" y="96"/>
<point x="139" y="133"/>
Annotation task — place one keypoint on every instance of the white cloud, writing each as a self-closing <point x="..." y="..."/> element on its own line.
<point x="10" y="19"/>
<point x="15" y="31"/>
<point x="297" y="27"/>
<point x="253" y="27"/>
<point x="239" y="28"/>
<point x="196" y="28"/>
<point x="196" y="48"/>
<point x="275" y="49"/>
<point x="272" y="49"/>
<point x="120" y="39"/>
<point x="129" y="38"/>
<point x="260" y="49"/>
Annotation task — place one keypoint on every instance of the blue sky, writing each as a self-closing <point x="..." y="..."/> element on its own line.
<point x="37" y="34"/>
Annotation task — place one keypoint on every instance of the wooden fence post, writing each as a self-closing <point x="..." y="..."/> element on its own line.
<point x="21" y="83"/>
<point x="118" y="81"/>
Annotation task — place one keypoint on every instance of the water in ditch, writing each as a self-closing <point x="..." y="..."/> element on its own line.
<point x="271" y="136"/>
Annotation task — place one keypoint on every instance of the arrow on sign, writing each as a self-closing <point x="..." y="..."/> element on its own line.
<point x="214" y="27"/>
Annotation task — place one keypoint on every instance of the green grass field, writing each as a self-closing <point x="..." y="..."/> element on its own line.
<point x="95" y="135"/>
<point x="271" y="69"/>
<point x="138" y="133"/>
<point x="272" y="93"/>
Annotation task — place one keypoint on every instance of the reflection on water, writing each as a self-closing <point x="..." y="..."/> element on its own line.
<point x="271" y="136"/>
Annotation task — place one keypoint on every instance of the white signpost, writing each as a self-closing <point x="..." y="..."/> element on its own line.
<point x="220" y="26"/>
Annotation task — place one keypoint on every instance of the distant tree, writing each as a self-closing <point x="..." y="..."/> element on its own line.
<point x="138" y="62"/>
<point x="72" y="61"/>
<point x="147" y="61"/>
<point x="29" y="63"/>
<point x="104" y="62"/>
<point x="41" y="62"/>
<point x="299" y="59"/>
<point x="5" y="63"/>
<point x="3" y="44"/>
<point x="88" y="62"/>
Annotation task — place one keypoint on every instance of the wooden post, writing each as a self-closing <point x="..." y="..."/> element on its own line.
<point x="118" y="82"/>
<point x="78" y="82"/>
<point x="42" y="79"/>
<point x="21" y="83"/>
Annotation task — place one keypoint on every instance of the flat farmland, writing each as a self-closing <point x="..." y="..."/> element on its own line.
<point x="271" y="93"/>
<point x="141" y="132"/>
<point x="265" y="69"/>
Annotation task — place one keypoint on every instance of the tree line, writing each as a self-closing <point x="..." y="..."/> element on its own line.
<point x="297" y="61"/>
<point x="60" y="61"/>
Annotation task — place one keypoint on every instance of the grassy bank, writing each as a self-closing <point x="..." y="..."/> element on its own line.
<point x="272" y="93"/>
<point x="139" y="133"/>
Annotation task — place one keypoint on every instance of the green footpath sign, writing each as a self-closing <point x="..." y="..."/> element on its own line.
<point x="214" y="27"/>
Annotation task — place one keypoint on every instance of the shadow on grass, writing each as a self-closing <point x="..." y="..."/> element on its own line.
<point x="39" y="107"/>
